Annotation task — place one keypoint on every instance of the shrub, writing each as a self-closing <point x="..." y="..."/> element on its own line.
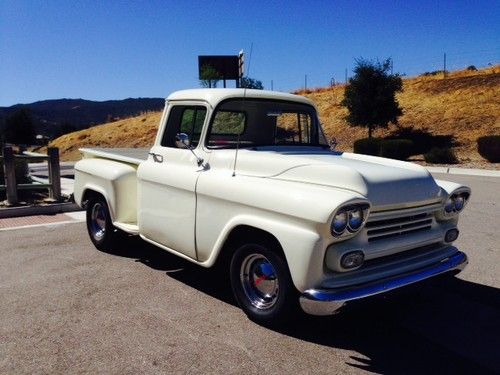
<point x="423" y="140"/>
<point x="472" y="68"/>
<point x="489" y="148"/>
<point x="367" y="146"/>
<point x="440" y="156"/>
<point x="399" y="149"/>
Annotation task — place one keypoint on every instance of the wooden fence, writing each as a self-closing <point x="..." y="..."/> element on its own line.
<point x="8" y="159"/>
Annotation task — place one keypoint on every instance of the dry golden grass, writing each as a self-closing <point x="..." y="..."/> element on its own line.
<point x="466" y="104"/>
<point x="137" y="131"/>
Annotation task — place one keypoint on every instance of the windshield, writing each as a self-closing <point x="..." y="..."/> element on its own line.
<point x="254" y="123"/>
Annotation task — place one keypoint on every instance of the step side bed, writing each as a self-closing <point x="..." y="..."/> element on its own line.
<point x="111" y="172"/>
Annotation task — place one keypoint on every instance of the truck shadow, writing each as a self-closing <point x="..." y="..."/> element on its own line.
<point x="444" y="325"/>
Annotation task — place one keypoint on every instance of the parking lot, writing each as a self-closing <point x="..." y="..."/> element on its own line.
<point x="68" y="308"/>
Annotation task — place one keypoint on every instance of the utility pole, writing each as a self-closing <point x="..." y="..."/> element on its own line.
<point x="392" y="67"/>
<point x="444" y="65"/>
<point x="272" y="85"/>
<point x="346" y="76"/>
<point x="305" y="82"/>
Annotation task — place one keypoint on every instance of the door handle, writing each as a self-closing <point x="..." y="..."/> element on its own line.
<point x="156" y="157"/>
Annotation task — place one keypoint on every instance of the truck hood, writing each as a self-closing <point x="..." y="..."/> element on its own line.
<point x="384" y="182"/>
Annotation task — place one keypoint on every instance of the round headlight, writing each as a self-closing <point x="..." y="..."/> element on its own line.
<point x="355" y="218"/>
<point x="449" y="205"/>
<point x="459" y="203"/>
<point x="339" y="223"/>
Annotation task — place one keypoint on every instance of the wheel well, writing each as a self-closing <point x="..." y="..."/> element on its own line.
<point x="244" y="233"/>
<point x="88" y="195"/>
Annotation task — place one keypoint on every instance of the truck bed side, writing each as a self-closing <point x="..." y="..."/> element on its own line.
<point x="127" y="155"/>
<point x="112" y="173"/>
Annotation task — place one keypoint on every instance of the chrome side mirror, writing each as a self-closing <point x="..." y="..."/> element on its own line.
<point x="182" y="140"/>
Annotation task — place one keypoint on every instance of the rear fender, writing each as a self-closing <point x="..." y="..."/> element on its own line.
<point x="116" y="181"/>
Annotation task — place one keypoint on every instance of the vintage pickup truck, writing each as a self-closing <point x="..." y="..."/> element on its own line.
<point x="245" y="179"/>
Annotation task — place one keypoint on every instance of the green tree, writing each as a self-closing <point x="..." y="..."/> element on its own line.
<point x="370" y="95"/>
<point x="19" y="127"/>
<point x="209" y="76"/>
<point x="251" y="83"/>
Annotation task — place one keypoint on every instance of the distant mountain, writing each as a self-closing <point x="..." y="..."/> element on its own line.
<point x="50" y="115"/>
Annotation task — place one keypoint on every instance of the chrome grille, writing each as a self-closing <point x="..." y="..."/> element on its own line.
<point x="378" y="229"/>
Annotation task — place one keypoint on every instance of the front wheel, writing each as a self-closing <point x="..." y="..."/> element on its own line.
<point x="262" y="284"/>
<point x="101" y="230"/>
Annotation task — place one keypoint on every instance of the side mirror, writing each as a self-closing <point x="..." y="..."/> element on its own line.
<point x="182" y="140"/>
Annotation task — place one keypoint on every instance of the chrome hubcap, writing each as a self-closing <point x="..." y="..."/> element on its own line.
<point x="259" y="281"/>
<point x="98" y="221"/>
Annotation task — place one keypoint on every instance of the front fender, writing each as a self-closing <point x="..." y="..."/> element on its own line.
<point x="296" y="214"/>
<point x="302" y="245"/>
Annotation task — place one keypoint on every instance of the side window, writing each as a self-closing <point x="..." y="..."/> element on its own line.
<point x="184" y="119"/>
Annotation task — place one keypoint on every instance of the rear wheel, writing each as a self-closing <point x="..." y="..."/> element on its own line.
<point x="101" y="230"/>
<point x="262" y="284"/>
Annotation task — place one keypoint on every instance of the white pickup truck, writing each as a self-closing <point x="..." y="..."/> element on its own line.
<point x="246" y="179"/>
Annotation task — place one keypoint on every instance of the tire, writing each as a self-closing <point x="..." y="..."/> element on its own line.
<point x="262" y="285"/>
<point x="101" y="231"/>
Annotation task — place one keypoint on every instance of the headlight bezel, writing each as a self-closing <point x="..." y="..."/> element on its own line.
<point x="454" y="203"/>
<point x="349" y="229"/>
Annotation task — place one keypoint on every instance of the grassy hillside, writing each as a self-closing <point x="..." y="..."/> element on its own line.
<point x="466" y="104"/>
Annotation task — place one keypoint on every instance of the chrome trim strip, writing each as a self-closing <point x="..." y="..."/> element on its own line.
<point x="377" y="232"/>
<point x="326" y="302"/>
<point x="429" y="205"/>
<point x="397" y="221"/>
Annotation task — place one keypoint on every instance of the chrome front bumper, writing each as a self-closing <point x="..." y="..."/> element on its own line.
<point x="327" y="301"/>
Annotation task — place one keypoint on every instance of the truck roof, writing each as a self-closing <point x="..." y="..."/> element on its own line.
<point x="215" y="96"/>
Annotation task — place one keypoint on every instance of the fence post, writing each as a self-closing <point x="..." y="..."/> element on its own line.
<point x="54" y="174"/>
<point x="9" y="169"/>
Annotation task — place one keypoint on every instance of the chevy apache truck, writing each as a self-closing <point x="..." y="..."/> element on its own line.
<point x="246" y="178"/>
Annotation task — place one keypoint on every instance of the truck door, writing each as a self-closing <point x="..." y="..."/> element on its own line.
<point x="167" y="182"/>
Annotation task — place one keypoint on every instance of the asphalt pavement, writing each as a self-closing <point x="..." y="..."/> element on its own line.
<point x="68" y="308"/>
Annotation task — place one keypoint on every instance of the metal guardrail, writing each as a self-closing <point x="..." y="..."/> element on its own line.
<point x="11" y="186"/>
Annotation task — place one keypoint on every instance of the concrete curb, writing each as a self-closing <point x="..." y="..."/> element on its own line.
<point x="49" y="209"/>
<point x="464" y="171"/>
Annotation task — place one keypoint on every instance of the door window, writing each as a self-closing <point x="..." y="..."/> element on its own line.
<point x="184" y="119"/>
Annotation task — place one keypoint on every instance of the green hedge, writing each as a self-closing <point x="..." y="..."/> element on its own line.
<point x="423" y="140"/>
<point x="440" y="156"/>
<point x="489" y="148"/>
<point x="399" y="149"/>
<point x="367" y="146"/>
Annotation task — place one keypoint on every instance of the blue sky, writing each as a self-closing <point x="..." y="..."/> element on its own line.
<point x="102" y="50"/>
